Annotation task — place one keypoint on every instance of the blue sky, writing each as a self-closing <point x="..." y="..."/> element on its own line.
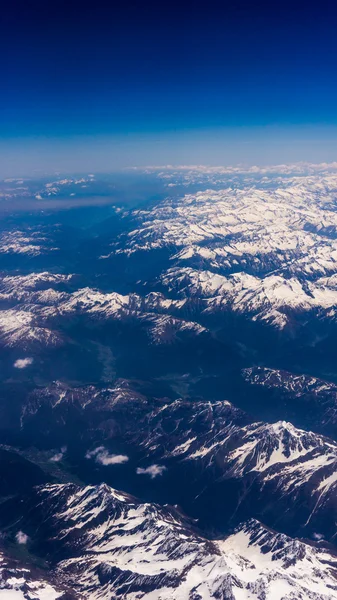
<point x="132" y="82"/>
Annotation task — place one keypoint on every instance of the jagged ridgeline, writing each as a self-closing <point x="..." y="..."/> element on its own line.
<point x="168" y="391"/>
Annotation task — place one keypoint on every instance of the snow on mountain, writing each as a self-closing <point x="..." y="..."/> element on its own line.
<point x="149" y="310"/>
<point x="108" y="544"/>
<point x="36" y="303"/>
<point x="21" y="328"/>
<point x="213" y="431"/>
<point x="257" y="243"/>
<point x="35" y="288"/>
<point x="276" y="466"/>
<point x="87" y="300"/>
<point x="273" y="471"/>
<point x="153" y="425"/>
<point x="21" y="581"/>
<point x="164" y="329"/>
<point x="246" y="224"/>
<point x="32" y="281"/>
<point x="218" y="433"/>
<point x="267" y="299"/>
<point x="261" y="250"/>
<point x="263" y="446"/>
<point x="274" y="565"/>
<point x="200" y="429"/>
<point x="119" y="395"/>
<point x="291" y="382"/>
<point x="99" y="413"/>
<point x="311" y="399"/>
<point x="268" y="253"/>
<point x="30" y="242"/>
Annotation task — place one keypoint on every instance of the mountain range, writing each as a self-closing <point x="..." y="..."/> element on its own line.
<point x="168" y="385"/>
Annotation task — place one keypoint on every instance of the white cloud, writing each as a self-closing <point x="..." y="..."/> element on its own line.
<point x="22" y="363"/>
<point x="102" y="456"/>
<point x="153" y="470"/>
<point x="318" y="536"/>
<point x="59" y="455"/>
<point x="298" y="168"/>
<point x="21" y="538"/>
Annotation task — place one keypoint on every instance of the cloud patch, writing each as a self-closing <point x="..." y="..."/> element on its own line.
<point x="22" y="363"/>
<point x="59" y="455"/>
<point x="153" y="471"/>
<point x="21" y="538"/>
<point x="101" y="456"/>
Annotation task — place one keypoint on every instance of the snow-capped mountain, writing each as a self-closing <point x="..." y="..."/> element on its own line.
<point x="276" y="472"/>
<point x="181" y="349"/>
<point x="31" y="243"/>
<point x="304" y="397"/>
<point x="16" y="284"/>
<point x="37" y="303"/>
<point x="21" y="581"/>
<point x="267" y="254"/>
<point x="232" y="228"/>
<point x="105" y="543"/>
<point x="261" y="252"/>
<point x="272" y="299"/>
<point x="19" y="327"/>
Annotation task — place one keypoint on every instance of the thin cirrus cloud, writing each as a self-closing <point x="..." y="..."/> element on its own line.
<point x="102" y="456"/>
<point x="153" y="471"/>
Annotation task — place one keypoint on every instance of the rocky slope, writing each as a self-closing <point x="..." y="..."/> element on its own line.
<point x="262" y="252"/>
<point x="272" y="471"/>
<point x="308" y="399"/>
<point x="107" y="544"/>
<point x="123" y="332"/>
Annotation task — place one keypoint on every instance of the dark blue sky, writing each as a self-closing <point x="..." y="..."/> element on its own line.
<point x="183" y="73"/>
